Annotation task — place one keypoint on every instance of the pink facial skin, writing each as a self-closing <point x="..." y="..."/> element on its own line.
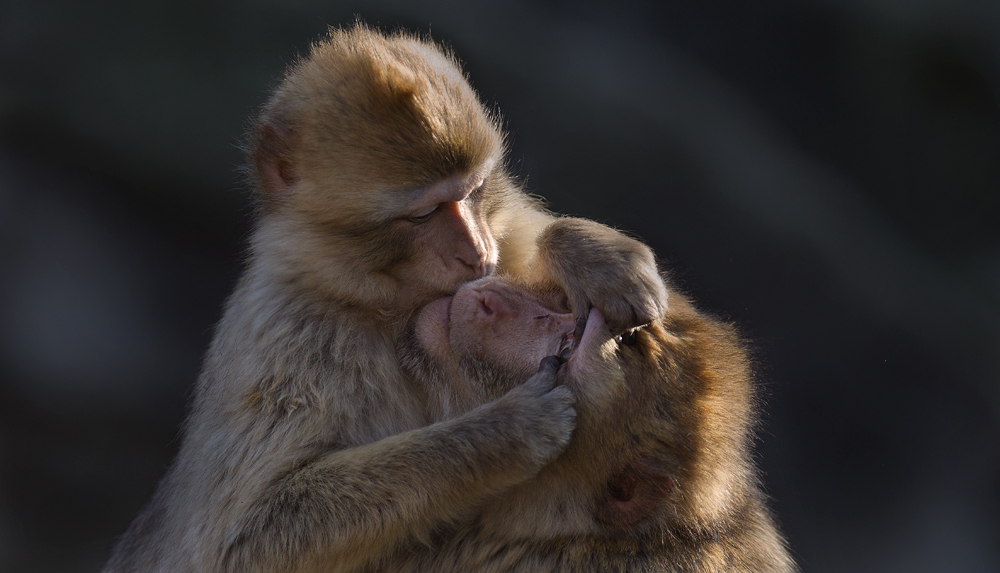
<point x="506" y="325"/>
<point x="493" y="319"/>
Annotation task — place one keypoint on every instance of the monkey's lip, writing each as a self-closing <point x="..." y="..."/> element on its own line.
<point x="566" y="346"/>
<point x="594" y="335"/>
<point x="594" y="328"/>
<point x="447" y="316"/>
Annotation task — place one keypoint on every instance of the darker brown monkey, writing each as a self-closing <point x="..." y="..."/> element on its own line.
<point x="380" y="185"/>
<point x="658" y="475"/>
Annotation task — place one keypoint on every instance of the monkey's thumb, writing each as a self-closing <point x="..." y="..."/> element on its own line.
<point x="550" y="364"/>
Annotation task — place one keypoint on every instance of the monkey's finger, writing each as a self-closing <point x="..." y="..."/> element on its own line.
<point x="655" y="303"/>
<point x="550" y="364"/>
<point x="545" y="378"/>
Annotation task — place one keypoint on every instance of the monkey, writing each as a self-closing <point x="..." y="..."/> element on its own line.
<point x="658" y="474"/>
<point x="379" y="185"/>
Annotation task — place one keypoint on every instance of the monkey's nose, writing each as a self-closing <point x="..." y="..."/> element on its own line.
<point x="478" y="263"/>
<point x="486" y="268"/>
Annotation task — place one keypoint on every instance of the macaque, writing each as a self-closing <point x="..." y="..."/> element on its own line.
<point x="657" y="475"/>
<point x="380" y="185"/>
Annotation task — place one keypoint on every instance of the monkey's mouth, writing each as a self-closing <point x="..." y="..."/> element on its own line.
<point x="447" y="318"/>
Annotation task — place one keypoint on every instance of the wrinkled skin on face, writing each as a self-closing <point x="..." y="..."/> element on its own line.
<point x="490" y="332"/>
<point x="491" y="335"/>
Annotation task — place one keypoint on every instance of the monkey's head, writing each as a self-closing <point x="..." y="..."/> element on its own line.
<point x="377" y="173"/>
<point x="663" y="410"/>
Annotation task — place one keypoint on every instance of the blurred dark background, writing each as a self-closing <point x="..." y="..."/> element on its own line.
<point x="824" y="173"/>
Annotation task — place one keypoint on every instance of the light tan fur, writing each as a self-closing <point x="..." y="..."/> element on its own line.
<point x="380" y="185"/>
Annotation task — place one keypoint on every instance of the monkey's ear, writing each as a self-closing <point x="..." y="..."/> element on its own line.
<point x="272" y="157"/>
<point x="633" y="494"/>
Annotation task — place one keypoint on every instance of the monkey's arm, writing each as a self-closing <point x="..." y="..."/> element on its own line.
<point x="347" y="507"/>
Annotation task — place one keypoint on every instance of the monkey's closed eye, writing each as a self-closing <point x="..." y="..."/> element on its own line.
<point x="424" y="214"/>
<point x="474" y="194"/>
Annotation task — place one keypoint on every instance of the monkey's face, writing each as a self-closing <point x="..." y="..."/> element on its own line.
<point x="378" y="172"/>
<point x="492" y="335"/>
<point x="396" y="249"/>
<point x="446" y="236"/>
<point x="482" y="341"/>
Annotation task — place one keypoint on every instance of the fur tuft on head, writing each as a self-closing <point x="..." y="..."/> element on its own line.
<point x="360" y="98"/>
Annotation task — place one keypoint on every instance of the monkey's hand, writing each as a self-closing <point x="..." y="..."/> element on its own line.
<point x="599" y="267"/>
<point x="541" y="413"/>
